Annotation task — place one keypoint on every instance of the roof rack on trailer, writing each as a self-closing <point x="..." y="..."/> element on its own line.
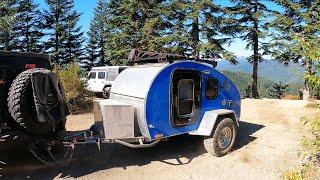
<point x="138" y="56"/>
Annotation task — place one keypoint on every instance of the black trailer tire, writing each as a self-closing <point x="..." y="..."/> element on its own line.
<point x="217" y="144"/>
<point x="22" y="106"/>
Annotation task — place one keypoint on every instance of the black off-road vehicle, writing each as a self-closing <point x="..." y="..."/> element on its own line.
<point x="31" y="98"/>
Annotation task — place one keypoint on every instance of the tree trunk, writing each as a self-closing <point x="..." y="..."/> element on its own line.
<point x="7" y="42"/>
<point x="306" y="88"/>
<point x="56" y="34"/>
<point x="254" y="85"/>
<point x="27" y="36"/>
<point x="195" y="37"/>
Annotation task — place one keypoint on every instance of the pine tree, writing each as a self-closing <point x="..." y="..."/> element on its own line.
<point x="195" y="28"/>
<point x="297" y="24"/>
<point x="278" y="90"/>
<point x="64" y="37"/>
<point x="7" y="20"/>
<point x="74" y="39"/>
<point x="96" y="44"/>
<point x="249" y="19"/>
<point x="27" y="28"/>
<point x="129" y="28"/>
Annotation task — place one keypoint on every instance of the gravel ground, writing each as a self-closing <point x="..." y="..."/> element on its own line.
<point x="267" y="145"/>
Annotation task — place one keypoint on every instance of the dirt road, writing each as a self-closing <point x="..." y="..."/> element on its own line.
<point x="267" y="145"/>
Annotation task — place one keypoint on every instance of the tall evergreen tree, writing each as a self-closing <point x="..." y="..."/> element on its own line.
<point x="129" y="28"/>
<point x="64" y="37"/>
<point x="96" y="43"/>
<point x="249" y="19"/>
<point x="28" y="27"/>
<point x="297" y="24"/>
<point x="74" y="39"/>
<point x="7" y="20"/>
<point x="194" y="27"/>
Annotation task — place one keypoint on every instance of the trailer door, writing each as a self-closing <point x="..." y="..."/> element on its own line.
<point x="185" y="97"/>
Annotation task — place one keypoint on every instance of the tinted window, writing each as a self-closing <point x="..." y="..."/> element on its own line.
<point x="101" y="75"/>
<point x="112" y="76"/>
<point x="211" y="88"/>
<point x="92" y="75"/>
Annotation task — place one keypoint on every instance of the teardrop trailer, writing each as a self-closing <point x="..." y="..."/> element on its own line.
<point x="168" y="95"/>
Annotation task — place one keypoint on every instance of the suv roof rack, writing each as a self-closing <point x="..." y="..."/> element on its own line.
<point x="139" y="56"/>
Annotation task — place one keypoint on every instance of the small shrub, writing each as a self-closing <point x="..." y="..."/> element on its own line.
<point x="295" y="174"/>
<point x="78" y="98"/>
<point x="313" y="105"/>
<point x="291" y="97"/>
<point x="310" y="150"/>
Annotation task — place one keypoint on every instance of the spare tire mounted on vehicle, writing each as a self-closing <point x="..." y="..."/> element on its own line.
<point x="36" y="102"/>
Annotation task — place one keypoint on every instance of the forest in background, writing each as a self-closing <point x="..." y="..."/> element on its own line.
<point x="200" y="29"/>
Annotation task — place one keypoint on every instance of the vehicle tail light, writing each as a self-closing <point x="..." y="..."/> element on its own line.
<point x="30" y="66"/>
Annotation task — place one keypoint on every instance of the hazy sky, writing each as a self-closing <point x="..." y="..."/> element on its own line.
<point x="86" y="7"/>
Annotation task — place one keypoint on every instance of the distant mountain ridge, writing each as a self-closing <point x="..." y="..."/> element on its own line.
<point x="269" y="69"/>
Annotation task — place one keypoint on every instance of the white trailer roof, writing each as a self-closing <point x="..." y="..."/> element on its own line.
<point x="136" y="81"/>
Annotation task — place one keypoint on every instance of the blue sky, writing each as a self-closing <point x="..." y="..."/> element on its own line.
<point x="86" y="7"/>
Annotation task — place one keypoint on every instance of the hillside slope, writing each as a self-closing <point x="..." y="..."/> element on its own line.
<point x="242" y="80"/>
<point x="270" y="69"/>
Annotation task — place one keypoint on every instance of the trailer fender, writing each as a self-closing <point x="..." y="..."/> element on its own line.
<point x="209" y="120"/>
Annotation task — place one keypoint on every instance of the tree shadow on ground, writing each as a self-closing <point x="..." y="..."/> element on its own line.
<point x="87" y="159"/>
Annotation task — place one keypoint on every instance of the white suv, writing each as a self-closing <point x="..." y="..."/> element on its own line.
<point x="100" y="79"/>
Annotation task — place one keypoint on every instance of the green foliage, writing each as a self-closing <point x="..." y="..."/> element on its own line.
<point x="7" y="20"/>
<point x="65" y="38"/>
<point x="95" y="46"/>
<point x="27" y="28"/>
<point x="297" y="37"/>
<point x="183" y="27"/>
<point x="294" y="174"/>
<point x="78" y="98"/>
<point x="313" y="105"/>
<point x="278" y="90"/>
<point x="311" y="144"/>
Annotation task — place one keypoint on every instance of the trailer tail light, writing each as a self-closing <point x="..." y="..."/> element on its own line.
<point x="30" y="66"/>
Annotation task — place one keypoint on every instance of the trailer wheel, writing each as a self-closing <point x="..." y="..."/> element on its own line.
<point x="222" y="138"/>
<point x="22" y="106"/>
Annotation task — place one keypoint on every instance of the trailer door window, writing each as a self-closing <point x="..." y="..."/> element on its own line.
<point x="211" y="88"/>
<point x="185" y="97"/>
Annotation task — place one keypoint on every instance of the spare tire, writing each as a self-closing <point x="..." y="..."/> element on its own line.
<point x="22" y="105"/>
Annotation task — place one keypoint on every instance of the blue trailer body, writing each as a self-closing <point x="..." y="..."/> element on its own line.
<point x="157" y="107"/>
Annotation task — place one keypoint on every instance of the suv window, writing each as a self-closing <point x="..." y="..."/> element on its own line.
<point x="112" y="76"/>
<point x="121" y="69"/>
<point x="101" y="75"/>
<point x="211" y="88"/>
<point x="92" y="75"/>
